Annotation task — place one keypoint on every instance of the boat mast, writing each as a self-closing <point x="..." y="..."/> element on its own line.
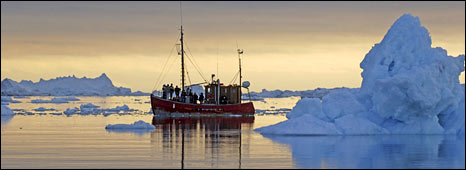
<point x="182" y="50"/>
<point x="182" y="59"/>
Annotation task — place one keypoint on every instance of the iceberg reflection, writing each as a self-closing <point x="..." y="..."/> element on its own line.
<point x="396" y="151"/>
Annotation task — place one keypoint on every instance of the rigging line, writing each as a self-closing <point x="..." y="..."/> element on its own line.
<point x="163" y="70"/>
<point x="160" y="74"/>
<point x="166" y="73"/>
<point x="196" y="65"/>
<point x="235" y="77"/>
<point x="189" y="78"/>
<point x="189" y="58"/>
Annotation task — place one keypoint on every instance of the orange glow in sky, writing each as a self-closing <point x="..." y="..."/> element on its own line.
<point x="287" y="45"/>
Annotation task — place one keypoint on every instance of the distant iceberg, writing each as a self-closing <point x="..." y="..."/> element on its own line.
<point x="408" y="87"/>
<point x="66" y="86"/>
<point x="316" y="93"/>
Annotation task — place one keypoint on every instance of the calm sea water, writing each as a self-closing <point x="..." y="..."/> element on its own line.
<point x="33" y="139"/>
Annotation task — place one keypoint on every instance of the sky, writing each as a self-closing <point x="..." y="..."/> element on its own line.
<point x="287" y="45"/>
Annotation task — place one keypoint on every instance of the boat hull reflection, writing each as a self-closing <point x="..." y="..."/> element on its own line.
<point x="203" y="139"/>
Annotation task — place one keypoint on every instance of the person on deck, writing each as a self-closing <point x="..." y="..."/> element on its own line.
<point x="183" y="96"/>
<point x="163" y="92"/>
<point x="177" y="91"/>
<point x="171" y="91"/>
<point x="201" y="98"/>
<point x="195" y="97"/>
<point x="191" y="99"/>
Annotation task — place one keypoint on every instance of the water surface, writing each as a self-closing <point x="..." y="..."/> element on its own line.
<point x="44" y="140"/>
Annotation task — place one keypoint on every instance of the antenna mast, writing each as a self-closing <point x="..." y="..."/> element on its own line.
<point x="240" y="51"/>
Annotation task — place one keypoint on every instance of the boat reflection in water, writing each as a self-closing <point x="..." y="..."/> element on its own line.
<point x="214" y="141"/>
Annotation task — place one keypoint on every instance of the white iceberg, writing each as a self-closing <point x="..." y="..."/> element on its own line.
<point x="408" y="88"/>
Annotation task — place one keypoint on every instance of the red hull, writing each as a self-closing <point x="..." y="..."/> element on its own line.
<point x="161" y="106"/>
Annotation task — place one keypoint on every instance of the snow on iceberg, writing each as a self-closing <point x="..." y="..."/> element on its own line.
<point x="66" y="86"/>
<point x="6" y="111"/>
<point x="56" y="100"/>
<point x="408" y="88"/>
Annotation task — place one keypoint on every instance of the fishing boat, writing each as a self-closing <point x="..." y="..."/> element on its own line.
<point x="219" y="98"/>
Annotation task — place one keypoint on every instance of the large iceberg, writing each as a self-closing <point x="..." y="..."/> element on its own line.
<point x="66" y="86"/>
<point x="408" y="87"/>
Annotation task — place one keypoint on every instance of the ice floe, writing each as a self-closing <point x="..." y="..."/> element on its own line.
<point x="138" y="127"/>
<point x="56" y="100"/>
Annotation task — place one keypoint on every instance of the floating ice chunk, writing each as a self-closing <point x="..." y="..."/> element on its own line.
<point x="88" y="108"/>
<point x="117" y="109"/>
<point x="56" y="100"/>
<point x="7" y="99"/>
<point x="21" y="97"/>
<point x="6" y="111"/>
<point x="71" y="111"/>
<point x="41" y="109"/>
<point x="136" y="125"/>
